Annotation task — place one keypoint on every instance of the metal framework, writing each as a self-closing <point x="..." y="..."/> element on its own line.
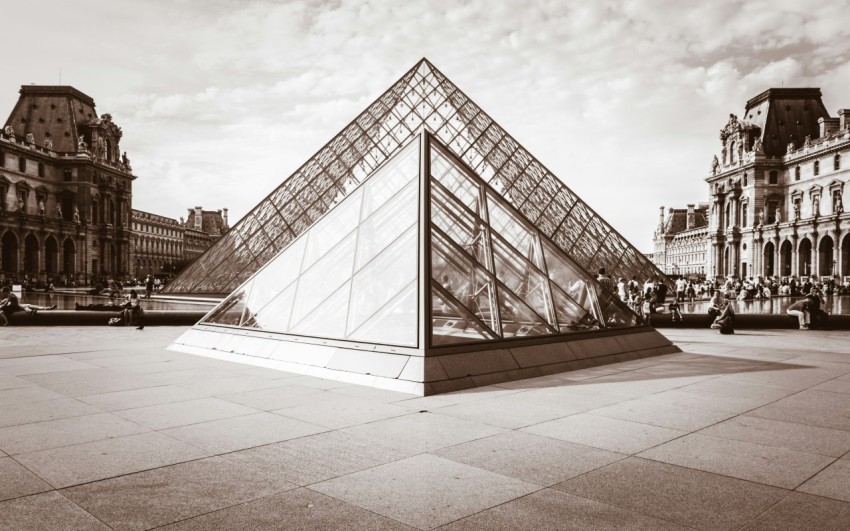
<point x="422" y="98"/>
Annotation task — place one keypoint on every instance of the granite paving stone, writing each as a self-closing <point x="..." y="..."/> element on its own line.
<point x="17" y="481"/>
<point x="425" y="491"/>
<point x="831" y="482"/>
<point x="81" y="463"/>
<point x="338" y="411"/>
<point x="552" y="509"/>
<point x="277" y="397"/>
<point x="43" y="410"/>
<point x="164" y="416"/>
<point x="769" y="465"/>
<point x="612" y="434"/>
<point x="315" y="458"/>
<point x="293" y="509"/>
<point x="64" y="432"/>
<point x="769" y="432"/>
<point x="238" y="433"/>
<point x="25" y="395"/>
<point x="683" y="495"/>
<point x="136" y="398"/>
<point x="48" y="511"/>
<point x="532" y="458"/>
<point x="173" y="493"/>
<point x="816" y="408"/>
<point x="802" y="511"/>
<point x="667" y="415"/>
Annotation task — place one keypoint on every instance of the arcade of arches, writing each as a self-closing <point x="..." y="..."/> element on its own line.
<point x="54" y="257"/>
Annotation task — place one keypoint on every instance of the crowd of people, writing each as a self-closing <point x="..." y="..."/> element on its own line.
<point x="649" y="297"/>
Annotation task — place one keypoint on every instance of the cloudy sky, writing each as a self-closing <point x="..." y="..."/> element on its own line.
<point x="220" y="100"/>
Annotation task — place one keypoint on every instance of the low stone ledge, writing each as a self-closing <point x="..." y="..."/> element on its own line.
<point x="746" y="320"/>
<point x="91" y="318"/>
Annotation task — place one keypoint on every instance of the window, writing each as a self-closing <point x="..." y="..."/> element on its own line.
<point x="745" y="178"/>
<point x="41" y="169"/>
<point x="836" y="162"/>
<point x="816" y="167"/>
<point x="773" y="177"/>
<point x="744" y="215"/>
<point x="2" y="159"/>
<point x="22" y="164"/>
<point x="771" y="211"/>
<point x="797" y="173"/>
<point x="67" y="174"/>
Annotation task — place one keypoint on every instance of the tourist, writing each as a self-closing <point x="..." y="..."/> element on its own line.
<point x="722" y="313"/>
<point x="605" y="279"/>
<point x="681" y="286"/>
<point x="800" y="309"/>
<point x="10" y="304"/>
<point x="622" y="290"/>
<point x="132" y="312"/>
<point x="148" y="286"/>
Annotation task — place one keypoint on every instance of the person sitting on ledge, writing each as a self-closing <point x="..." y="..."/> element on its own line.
<point x="722" y="313"/>
<point x="10" y="304"/>
<point x="108" y="307"/>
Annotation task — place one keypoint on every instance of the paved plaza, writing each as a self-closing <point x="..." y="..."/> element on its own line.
<point x="104" y="428"/>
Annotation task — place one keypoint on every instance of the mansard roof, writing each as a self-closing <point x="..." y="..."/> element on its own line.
<point x="784" y="116"/>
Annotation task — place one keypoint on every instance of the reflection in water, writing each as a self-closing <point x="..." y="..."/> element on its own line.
<point x="66" y="302"/>
<point x="775" y="305"/>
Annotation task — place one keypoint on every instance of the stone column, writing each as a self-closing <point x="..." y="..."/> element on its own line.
<point x="795" y="258"/>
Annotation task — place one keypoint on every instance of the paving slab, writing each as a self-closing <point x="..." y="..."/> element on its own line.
<point x="46" y="512"/>
<point x="246" y="431"/>
<point x="164" y="416"/>
<point x="294" y="509"/>
<point x="768" y="465"/>
<point x="425" y="491"/>
<point x="17" y="481"/>
<point x="683" y="495"/>
<point x="552" y="509"/>
<point x="25" y="395"/>
<point x="831" y="482"/>
<point x="81" y="463"/>
<point x="815" y="408"/>
<point x="277" y="397"/>
<point x="802" y="511"/>
<point x="173" y="493"/>
<point x="44" y="410"/>
<point x="339" y="411"/>
<point x="319" y="457"/>
<point x="531" y="458"/>
<point x="136" y="398"/>
<point x="616" y="435"/>
<point x="769" y="432"/>
<point x="64" y="432"/>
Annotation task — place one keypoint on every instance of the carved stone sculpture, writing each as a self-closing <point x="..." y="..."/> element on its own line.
<point x="81" y="144"/>
<point x="21" y="204"/>
<point x="9" y="131"/>
<point x="30" y="138"/>
<point x="761" y="217"/>
<point x="816" y="207"/>
<point x="76" y="214"/>
<point x="48" y="143"/>
<point x="778" y="215"/>
<point x="796" y="211"/>
<point x="58" y="211"/>
<point x="714" y="164"/>
<point x="839" y="206"/>
<point x="41" y="206"/>
<point x="757" y="147"/>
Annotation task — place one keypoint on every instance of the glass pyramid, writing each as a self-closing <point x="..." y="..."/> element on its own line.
<point x="423" y="97"/>
<point x="359" y="273"/>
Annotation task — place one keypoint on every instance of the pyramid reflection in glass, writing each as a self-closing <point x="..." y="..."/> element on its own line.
<point x="423" y="97"/>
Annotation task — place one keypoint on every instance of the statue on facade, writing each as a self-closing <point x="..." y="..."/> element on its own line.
<point x="714" y="165"/>
<point x="81" y="144"/>
<point x="796" y="211"/>
<point x="778" y="215"/>
<point x="100" y="151"/>
<point x="816" y="207"/>
<point x="723" y="154"/>
<point x="757" y="148"/>
<point x="21" y="205"/>
<point x="9" y="131"/>
<point x="791" y="147"/>
<point x="76" y="214"/>
<point x="30" y="138"/>
<point x="761" y="217"/>
<point x="48" y="143"/>
<point x="808" y="141"/>
<point x="740" y="152"/>
<point x="41" y="209"/>
<point x="58" y="211"/>
<point x="839" y="206"/>
<point x="125" y="160"/>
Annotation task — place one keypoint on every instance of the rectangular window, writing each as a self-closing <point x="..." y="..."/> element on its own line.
<point x="816" y="167"/>
<point x="773" y="177"/>
<point x="41" y="169"/>
<point x="67" y="174"/>
<point x="2" y="159"/>
<point x="22" y="164"/>
<point x="797" y="173"/>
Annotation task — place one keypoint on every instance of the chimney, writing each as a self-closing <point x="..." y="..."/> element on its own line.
<point x="199" y="220"/>
<point x="661" y="217"/>
<point x="691" y="219"/>
<point x="224" y="216"/>
<point x="828" y="125"/>
<point x="843" y="119"/>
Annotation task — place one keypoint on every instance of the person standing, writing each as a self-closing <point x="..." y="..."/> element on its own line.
<point x="681" y="286"/>
<point x="148" y="286"/>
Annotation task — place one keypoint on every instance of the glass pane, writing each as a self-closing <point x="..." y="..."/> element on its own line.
<point x="465" y="281"/>
<point x="328" y="232"/>
<point x="518" y="320"/>
<point x="277" y="275"/>
<point x="572" y="317"/>
<point x="383" y="278"/>
<point x="519" y="276"/>
<point x="387" y="181"/>
<point x="514" y="231"/>
<point x="568" y="277"/>
<point x="451" y="322"/>
<point x="275" y="315"/>
<point x="614" y="311"/>
<point x="460" y="225"/>
<point x="456" y="181"/>
<point x="325" y="277"/>
<point x="387" y="223"/>
<point x="230" y="311"/>
<point x="395" y="323"/>
<point x="328" y="319"/>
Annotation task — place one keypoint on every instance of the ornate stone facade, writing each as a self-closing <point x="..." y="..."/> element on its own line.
<point x="157" y="243"/>
<point x="65" y="190"/>
<point x="777" y="189"/>
<point x="679" y="241"/>
<point x="203" y="228"/>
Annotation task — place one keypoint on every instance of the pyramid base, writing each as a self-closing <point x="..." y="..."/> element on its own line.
<point x="414" y="372"/>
